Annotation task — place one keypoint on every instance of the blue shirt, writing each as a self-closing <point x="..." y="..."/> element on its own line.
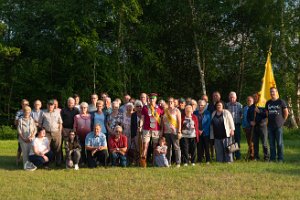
<point x="95" y="141"/>
<point x="245" y="122"/>
<point x="100" y="119"/>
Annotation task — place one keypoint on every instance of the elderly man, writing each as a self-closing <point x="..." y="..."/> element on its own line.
<point x="134" y="123"/>
<point x="236" y="110"/>
<point x="150" y="123"/>
<point x="108" y="107"/>
<point x="51" y="121"/>
<point x="96" y="147"/>
<point x="118" y="147"/>
<point x="144" y="98"/>
<point x="67" y="115"/>
<point x="126" y="100"/>
<point x="36" y="113"/>
<point x="92" y="105"/>
<point x="277" y="113"/>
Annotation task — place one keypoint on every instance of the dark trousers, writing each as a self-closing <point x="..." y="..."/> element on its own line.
<point x="39" y="160"/>
<point x="188" y="145"/>
<point x="99" y="156"/>
<point x="237" y="138"/>
<point x="203" y="147"/>
<point x="115" y="157"/>
<point x="249" y="137"/>
<point x="261" y="132"/>
<point x="83" y="152"/>
<point x="74" y="155"/>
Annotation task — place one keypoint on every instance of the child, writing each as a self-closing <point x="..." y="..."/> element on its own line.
<point x="73" y="150"/>
<point x="160" y="153"/>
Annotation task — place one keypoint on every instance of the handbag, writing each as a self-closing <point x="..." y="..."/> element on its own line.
<point x="233" y="147"/>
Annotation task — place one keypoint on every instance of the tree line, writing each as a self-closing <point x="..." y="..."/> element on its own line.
<point x="173" y="47"/>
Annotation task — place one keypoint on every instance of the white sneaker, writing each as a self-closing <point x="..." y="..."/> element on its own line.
<point x="76" y="167"/>
<point x="178" y="166"/>
<point x="29" y="166"/>
<point x="193" y="164"/>
<point x="185" y="165"/>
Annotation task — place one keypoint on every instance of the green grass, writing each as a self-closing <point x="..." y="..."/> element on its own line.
<point x="240" y="180"/>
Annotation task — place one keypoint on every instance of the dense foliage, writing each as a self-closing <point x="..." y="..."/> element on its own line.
<point x="54" y="48"/>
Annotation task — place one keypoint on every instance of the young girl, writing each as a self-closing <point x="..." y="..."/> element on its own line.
<point x="160" y="153"/>
<point x="73" y="150"/>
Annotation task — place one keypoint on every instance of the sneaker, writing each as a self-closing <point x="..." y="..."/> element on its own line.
<point x="207" y="163"/>
<point x="29" y="166"/>
<point x="76" y="167"/>
<point x="193" y="164"/>
<point x="185" y="165"/>
<point x="178" y="166"/>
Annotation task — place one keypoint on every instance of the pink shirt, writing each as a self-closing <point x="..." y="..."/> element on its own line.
<point x="82" y="125"/>
<point x="150" y="122"/>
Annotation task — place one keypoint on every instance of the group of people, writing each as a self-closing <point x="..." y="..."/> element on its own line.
<point x="137" y="131"/>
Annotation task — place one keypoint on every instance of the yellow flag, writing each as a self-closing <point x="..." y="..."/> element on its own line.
<point x="267" y="82"/>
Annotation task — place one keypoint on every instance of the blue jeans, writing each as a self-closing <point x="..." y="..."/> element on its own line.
<point x="116" y="156"/>
<point x="276" y="135"/>
<point x="237" y="138"/>
<point x="39" y="160"/>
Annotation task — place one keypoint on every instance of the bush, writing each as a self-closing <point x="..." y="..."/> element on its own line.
<point x="7" y="133"/>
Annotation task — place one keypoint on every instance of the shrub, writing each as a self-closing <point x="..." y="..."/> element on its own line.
<point x="7" y="133"/>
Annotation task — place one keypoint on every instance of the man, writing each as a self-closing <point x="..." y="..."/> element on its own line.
<point x="181" y="107"/>
<point x="277" y="112"/>
<point x="258" y="121"/>
<point x="126" y="100"/>
<point x="51" y="121"/>
<point x="77" y="101"/>
<point x="56" y="107"/>
<point x="247" y="128"/>
<point x="205" y="98"/>
<point x="96" y="147"/>
<point x="144" y="98"/>
<point x="108" y="108"/>
<point x="92" y="105"/>
<point x="118" y="147"/>
<point x="215" y="98"/>
<point x="236" y="110"/>
<point x="134" y="123"/>
<point x="18" y="116"/>
<point x="150" y="123"/>
<point x="37" y="112"/>
<point x="67" y="115"/>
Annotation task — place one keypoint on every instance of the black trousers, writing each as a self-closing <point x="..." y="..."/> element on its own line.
<point x="100" y="156"/>
<point x="188" y="146"/>
<point x="203" y="148"/>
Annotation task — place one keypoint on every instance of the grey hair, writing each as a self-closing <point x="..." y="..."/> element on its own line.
<point x="84" y="104"/>
<point x="138" y="103"/>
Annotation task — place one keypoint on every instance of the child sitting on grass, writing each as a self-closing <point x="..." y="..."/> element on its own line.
<point x="160" y="152"/>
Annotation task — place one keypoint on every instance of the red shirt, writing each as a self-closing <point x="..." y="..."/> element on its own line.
<point x="114" y="143"/>
<point x="148" y="116"/>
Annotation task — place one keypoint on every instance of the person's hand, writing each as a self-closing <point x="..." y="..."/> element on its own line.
<point x="257" y="110"/>
<point x="200" y="132"/>
<point x="94" y="151"/>
<point x="252" y="123"/>
<point x="231" y="133"/>
<point x="45" y="158"/>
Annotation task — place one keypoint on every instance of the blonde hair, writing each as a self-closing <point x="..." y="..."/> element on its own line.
<point x="27" y="109"/>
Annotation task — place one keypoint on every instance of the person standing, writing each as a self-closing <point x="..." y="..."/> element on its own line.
<point x="204" y="120"/>
<point x="99" y="117"/>
<point x="51" y="121"/>
<point x="258" y="121"/>
<point x="36" y="113"/>
<point x="277" y="113"/>
<point x="67" y="115"/>
<point x="247" y="128"/>
<point x="92" y="106"/>
<point x="236" y="110"/>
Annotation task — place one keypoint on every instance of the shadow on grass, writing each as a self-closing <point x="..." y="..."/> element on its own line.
<point x="9" y="163"/>
<point x="290" y="172"/>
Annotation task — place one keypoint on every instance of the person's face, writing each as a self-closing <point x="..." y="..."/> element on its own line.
<point x="249" y="101"/>
<point x="37" y="105"/>
<point x="107" y="102"/>
<point x="205" y="98"/>
<point x="219" y="107"/>
<point x="97" y="130"/>
<point x="171" y="103"/>
<point x="216" y="97"/>
<point x="126" y="99"/>
<point x="162" y="104"/>
<point x="27" y="113"/>
<point x="188" y="110"/>
<point x="194" y="105"/>
<point x="25" y="103"/>
<point x="84" y="109"/>
<point x="51" y="107"/>
<point x="72" y="135"/>
<point x="103" y="97"/>
<point x="182" y="105"/>
<point x="232" y="98"/>
<point x="143" y="98"/>
<point x="71" y="103"/>
<point x="255" y="98"/>
<point x="115" y="106"/>
<point x="176" y="103"/>
<point x="94" y="99"/>
<point x="273" y="93"/>
<point x="55" y="104"/>
<point x="152" y="101"/>
<point x="42" y="134"/>
<point x="118" y="131"/>
<point x="99" y="106"/>
<point x="161" y="142"/>
<point x="201" y="105"/>
<point x="77" y="100"/>
<point x="129" y="109"/>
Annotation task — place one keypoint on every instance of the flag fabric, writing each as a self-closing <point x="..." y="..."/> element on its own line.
<point x="267" y="82"/>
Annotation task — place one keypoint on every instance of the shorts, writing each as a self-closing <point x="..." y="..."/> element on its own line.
<point x="147" y="134"/>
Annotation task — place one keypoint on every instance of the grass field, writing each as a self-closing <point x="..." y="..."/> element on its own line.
<point x="240" y="180"/>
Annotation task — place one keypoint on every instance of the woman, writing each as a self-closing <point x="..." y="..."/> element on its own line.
<point x="40" y="153"/>
<point x="221" y="130"/>
<point x="82" y="126"/>
<point x="99" y="117"/>
<point x="190" y="135"/>
<point x="114" y="119"/>
<point x="26" y="131"/>
<point x="171" y="127"/>
<point x="73" y="149"/>
<point x="127" y="122"/>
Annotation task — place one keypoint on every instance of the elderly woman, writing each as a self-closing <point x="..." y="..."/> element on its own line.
<point x="114" y="119"/>
<point x="82" y="126"/>
<point x="222" y="129"/>
<point x="171" y="125"/>
<point x="40" y="153"/>
<point x="127" y="122"/>
<point x="26" y="131"/>
<point x="118" y="147"/>
<point x="99" y="117"/>
<point x="190" y="135"/>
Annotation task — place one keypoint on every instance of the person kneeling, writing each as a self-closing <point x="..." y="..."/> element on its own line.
<point x="73" y="151"/>
<point x="96" y="147"/>
<point x="40" y="153"/>
<point x="118" y="147"/>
